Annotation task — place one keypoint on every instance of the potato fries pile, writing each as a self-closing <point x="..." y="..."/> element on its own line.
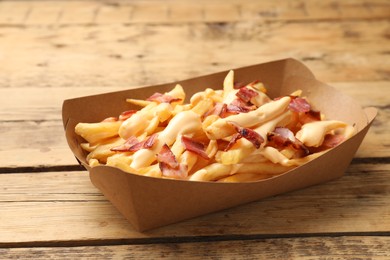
<point x="235" y="134"/>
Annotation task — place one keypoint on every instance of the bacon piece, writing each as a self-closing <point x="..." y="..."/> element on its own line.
<point x="167" y="157"/>
<point x="282" y="137"/>
<point x="162" y="98"/>
<point x="252" y="136"/>
<point x="219" y="109"/>
<point x="298" y="104"/>
<point x="150" y="141"/>
<point x="222" y="145"/>
<point x="234" y="139"/>
<point x="238" y="85"/>
<point x="110" y="119"/>
<point x="127" y="114"/>
<point x="331" y="141"/>
<point x="195" y="147"/>
<point x="245" y="94"/>
<point x="180" y="172"/>
<point x="309" y="116"/>
<point x="239" y="106"/>
<point x="168" y="164"/>
<point x="130" y="145"/>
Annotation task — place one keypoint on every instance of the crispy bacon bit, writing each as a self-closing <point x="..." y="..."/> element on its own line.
<point x="239" y="106"/>
<point x="245" y="94"/>
<point x="180" y="172"/>
<point x="234" y="139"/>
<point x="162" y="98"/>
<point x="331" y="141"/>
<point x="285" y="133"/>
<point x="130" y="145"/>
<point x="238" y="85"/>
<point x="150" y="141"/>
<point x="127" y="114"/>
<point x="219" y="109"/>
<point x="110" y="119"/>
<point x="168" y="164"/>
<point x="309" y="116"/>
<point x="136" y="147"/>
<point x="195" y="147"/>
<point x="298" y="104"/>
<point x="282" y="137"/>
<point x="222" y="145"/>
<point x="252" y="136"/>
<point x="167" y="157"/>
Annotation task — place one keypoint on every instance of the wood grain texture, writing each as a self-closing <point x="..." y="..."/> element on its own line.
<point x="64" y="206"/>
<point x="142" y="54"/>
<point x="54" y="50"/>
<point x="291" y="248"/>
<point x="174" y="11"/>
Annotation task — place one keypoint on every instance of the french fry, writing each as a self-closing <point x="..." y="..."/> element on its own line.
<point x="94" y="133"/>
<point x="213" y="172"/>
<point x="233" y="156"/>
<point x="245" y="177"/>
<point x="138" y="102"/>
<point x="102" y="151"/>
<point x="221" y="128"/>
<point x="228" y="84"/>
<point x="312" y="134"/>
<point x="203" y="106"/>
<point x="189" y="159"/>
<point x="121" y="161"/>
<point x="266" y="168"/>
<point x="93" y="162"/>
<point x="178" y="92"/>
<point x="183" y="123"/>
<point x="267" y="140"/>
<point x="151" y="171"/>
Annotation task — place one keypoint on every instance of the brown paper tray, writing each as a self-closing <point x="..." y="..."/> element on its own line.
<point x="149" y="202"/>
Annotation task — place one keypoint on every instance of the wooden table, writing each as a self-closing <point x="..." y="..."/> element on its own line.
<point x="54" y="50"/>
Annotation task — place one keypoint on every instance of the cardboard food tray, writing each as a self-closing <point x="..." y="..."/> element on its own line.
<point x="149" y="202"/>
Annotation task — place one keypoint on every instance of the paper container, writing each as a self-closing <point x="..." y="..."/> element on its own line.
<point x="149" y="202"/>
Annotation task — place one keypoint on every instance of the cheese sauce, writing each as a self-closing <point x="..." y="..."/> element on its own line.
<point x="184" y="122"/>
<point x="220" y="128"/>
<point x="312" y="134"/>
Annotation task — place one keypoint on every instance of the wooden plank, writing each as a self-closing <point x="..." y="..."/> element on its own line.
<point x="45" y="13"/>
<point x="14" y="13"/>
<point x="114" y="13"/>
<point x="34" y="144"/>
<point x="137" y="54"/>
<point x="79" y="12"/>
<point x="186" y="12"/>
<point x="45" y="104"/>
<point x="63" y="206"/>
<point x="358" y="247"/>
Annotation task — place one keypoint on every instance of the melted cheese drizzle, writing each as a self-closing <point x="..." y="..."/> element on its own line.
<point x="220" y="128"/>
<point x="184" y="122"/>
<point x="312" y="134"/>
